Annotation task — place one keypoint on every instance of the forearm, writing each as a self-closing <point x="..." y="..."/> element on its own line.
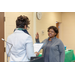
<point x="62" y="56"/>
<point x="62" y="51"/>
<point x="7" y="50"/>
<point x="30" y="50"/>
<point x="37" y="41"/>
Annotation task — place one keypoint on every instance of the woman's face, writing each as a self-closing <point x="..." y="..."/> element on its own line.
<point x="51" y="33"/>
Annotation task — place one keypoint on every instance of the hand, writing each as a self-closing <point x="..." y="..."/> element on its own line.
<point x="37" y="36"/>
<point x="37" y="53"/>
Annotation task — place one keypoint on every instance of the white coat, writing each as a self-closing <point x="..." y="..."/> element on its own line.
<point x="22" y="49"/>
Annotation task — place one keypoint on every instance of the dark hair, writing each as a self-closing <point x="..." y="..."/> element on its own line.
<point x="54" y="28"/>
<point x="22" y="21"/>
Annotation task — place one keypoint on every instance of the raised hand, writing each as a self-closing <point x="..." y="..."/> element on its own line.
<point x="37" y="36"/>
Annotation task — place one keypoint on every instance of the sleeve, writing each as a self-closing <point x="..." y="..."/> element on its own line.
<point x="62" y="51"/>
<point x="8" y="46"/>
<point x="29" y="48"/>
<point x="37" y="41"/>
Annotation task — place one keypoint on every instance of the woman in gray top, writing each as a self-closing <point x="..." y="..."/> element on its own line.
<point x="53" y="49"/>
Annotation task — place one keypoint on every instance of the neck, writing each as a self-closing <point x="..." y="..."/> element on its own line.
<point x="50" y="38"/>
<point x="22" y="29"/>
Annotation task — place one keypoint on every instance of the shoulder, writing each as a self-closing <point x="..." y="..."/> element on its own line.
<point x="19" y="34"/>
<point x="45" y="40"/>
<point x="59" y="40"/>
<point x="9" y="36"/>
<point x="26" y="37"/>
<point x="29" y="39"/>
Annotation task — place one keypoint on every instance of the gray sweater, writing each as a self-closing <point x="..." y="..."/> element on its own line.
<point x="57" y="51"/>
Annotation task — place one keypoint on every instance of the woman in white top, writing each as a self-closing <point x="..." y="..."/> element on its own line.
<point x="22" y="44"/>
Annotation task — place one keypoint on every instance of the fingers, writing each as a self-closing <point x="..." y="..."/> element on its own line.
<point x="37" y="53"/>
<point x="37" y="33"/>
<point x="37" y="36"/>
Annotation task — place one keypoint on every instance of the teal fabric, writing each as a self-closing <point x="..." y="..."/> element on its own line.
<point x="24" y="30"/>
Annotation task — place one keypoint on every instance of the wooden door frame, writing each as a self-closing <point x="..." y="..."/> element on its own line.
<point x="57" y="25"/>
<point x="1" y="36"/>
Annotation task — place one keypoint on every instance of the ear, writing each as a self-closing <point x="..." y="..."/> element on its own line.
<point x="55" y="33"/>
<point x="25" y="27"/>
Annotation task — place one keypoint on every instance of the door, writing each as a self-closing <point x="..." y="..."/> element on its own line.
<point x="57" y="25"/>
<point x="1" y="36"/>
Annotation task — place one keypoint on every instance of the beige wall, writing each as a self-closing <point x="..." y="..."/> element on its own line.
<point x="66" y="31"/>
<point x="68" y="27"/>
<point x="48" y="19"/>
<point x="10" y="24"/>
